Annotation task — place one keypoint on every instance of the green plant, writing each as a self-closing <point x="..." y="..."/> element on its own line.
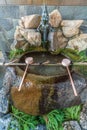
<point x="52" y="120"/>
<point x="72" y="113"/>
<point x="25" y="121"/>
<point x="73" y="54"/>
<point x="83" y="55"/>
<point x="15" y="52"/>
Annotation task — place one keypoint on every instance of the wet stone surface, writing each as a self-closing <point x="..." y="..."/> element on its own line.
<point x="46" y="97"/>
<point x="5" y="119"/>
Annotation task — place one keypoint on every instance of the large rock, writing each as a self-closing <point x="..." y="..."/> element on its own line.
<point x="71" y="27"/>
<point x="83" y="117"/>
<point x="57" y="40"/>
<point x="79" y="42"/>
<point x="20" y="44"/>
<point x="4" y="102"/>
<point x="33" y="37"/>
<point x="8" y="79"/>
<point x="17" y="34"/>
<point x="70" y="31"/>
<point x="1" y="57"/>
<point x="71" y="125"/>
<point x="5" y="121"/>
<point x="71" y="23"/>
<point x="55" y="18"/>
<point x="31" y="21"/>
<point x="41" y="94"/>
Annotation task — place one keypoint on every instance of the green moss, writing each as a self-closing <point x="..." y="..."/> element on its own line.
<point x="15" y="53"/>
<point x="18" y="52"/>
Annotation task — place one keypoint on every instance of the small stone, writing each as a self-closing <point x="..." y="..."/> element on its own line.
<point x="83" y="117"/>
<point x="31" y="21"/>
<point x="71" y="125"/>
<point x="79" y="42"/>
<point x="57" y="40"/>
<point x="55" y="18"/>
<point x="71" y="27"/>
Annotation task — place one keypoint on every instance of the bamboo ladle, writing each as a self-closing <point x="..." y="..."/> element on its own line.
<point x="66" y="63"/>
<point x="28" y="61"/>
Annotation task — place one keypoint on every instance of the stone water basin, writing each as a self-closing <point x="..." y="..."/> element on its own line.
<point x="46" y="86"/>
<point x="44" y="64"/>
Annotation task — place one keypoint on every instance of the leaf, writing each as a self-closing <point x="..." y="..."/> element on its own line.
<point x="25" y="127"/>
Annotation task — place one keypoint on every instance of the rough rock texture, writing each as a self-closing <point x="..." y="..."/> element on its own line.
<point x="8" y="79"/>
<point x="4" y="122"/>
<point x="4" y="102"/>
<point x="84" y="96"/>
<point x="71" y="27"/>
<point x="71" y="125"/>
<point x="25" y="37"/>
<point x="38" y="98"/>
<point x="20" y="44"/>
<point x="17" y="34"/>
<point x="83" y="117"/>
<point x="57" y="40"/>
<point x="70" y="31"/>
<point x="71" y="23"/>
<point x="4" y="91"/>
<point x="31" y="21"/>
<point x="1" y="57"/>
<point x="79" y="42"/>
<point x="55" y="18"/>
<point x="33" y="37"/>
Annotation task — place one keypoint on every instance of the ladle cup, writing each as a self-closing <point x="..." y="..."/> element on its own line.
<point x="66" y="63"/>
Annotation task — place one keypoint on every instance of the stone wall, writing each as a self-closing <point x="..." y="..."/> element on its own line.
<point x="9" y="16"/>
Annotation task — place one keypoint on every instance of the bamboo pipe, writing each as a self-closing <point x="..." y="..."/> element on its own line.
<point x="24" y="64"/>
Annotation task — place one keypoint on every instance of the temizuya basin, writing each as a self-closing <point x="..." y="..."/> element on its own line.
<point x="41" y="92"/>
<point x="44" y="64"/>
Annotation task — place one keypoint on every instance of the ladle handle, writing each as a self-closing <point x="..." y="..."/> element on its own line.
<point x="72" y="83"/>
<point x="23" y="78"/>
